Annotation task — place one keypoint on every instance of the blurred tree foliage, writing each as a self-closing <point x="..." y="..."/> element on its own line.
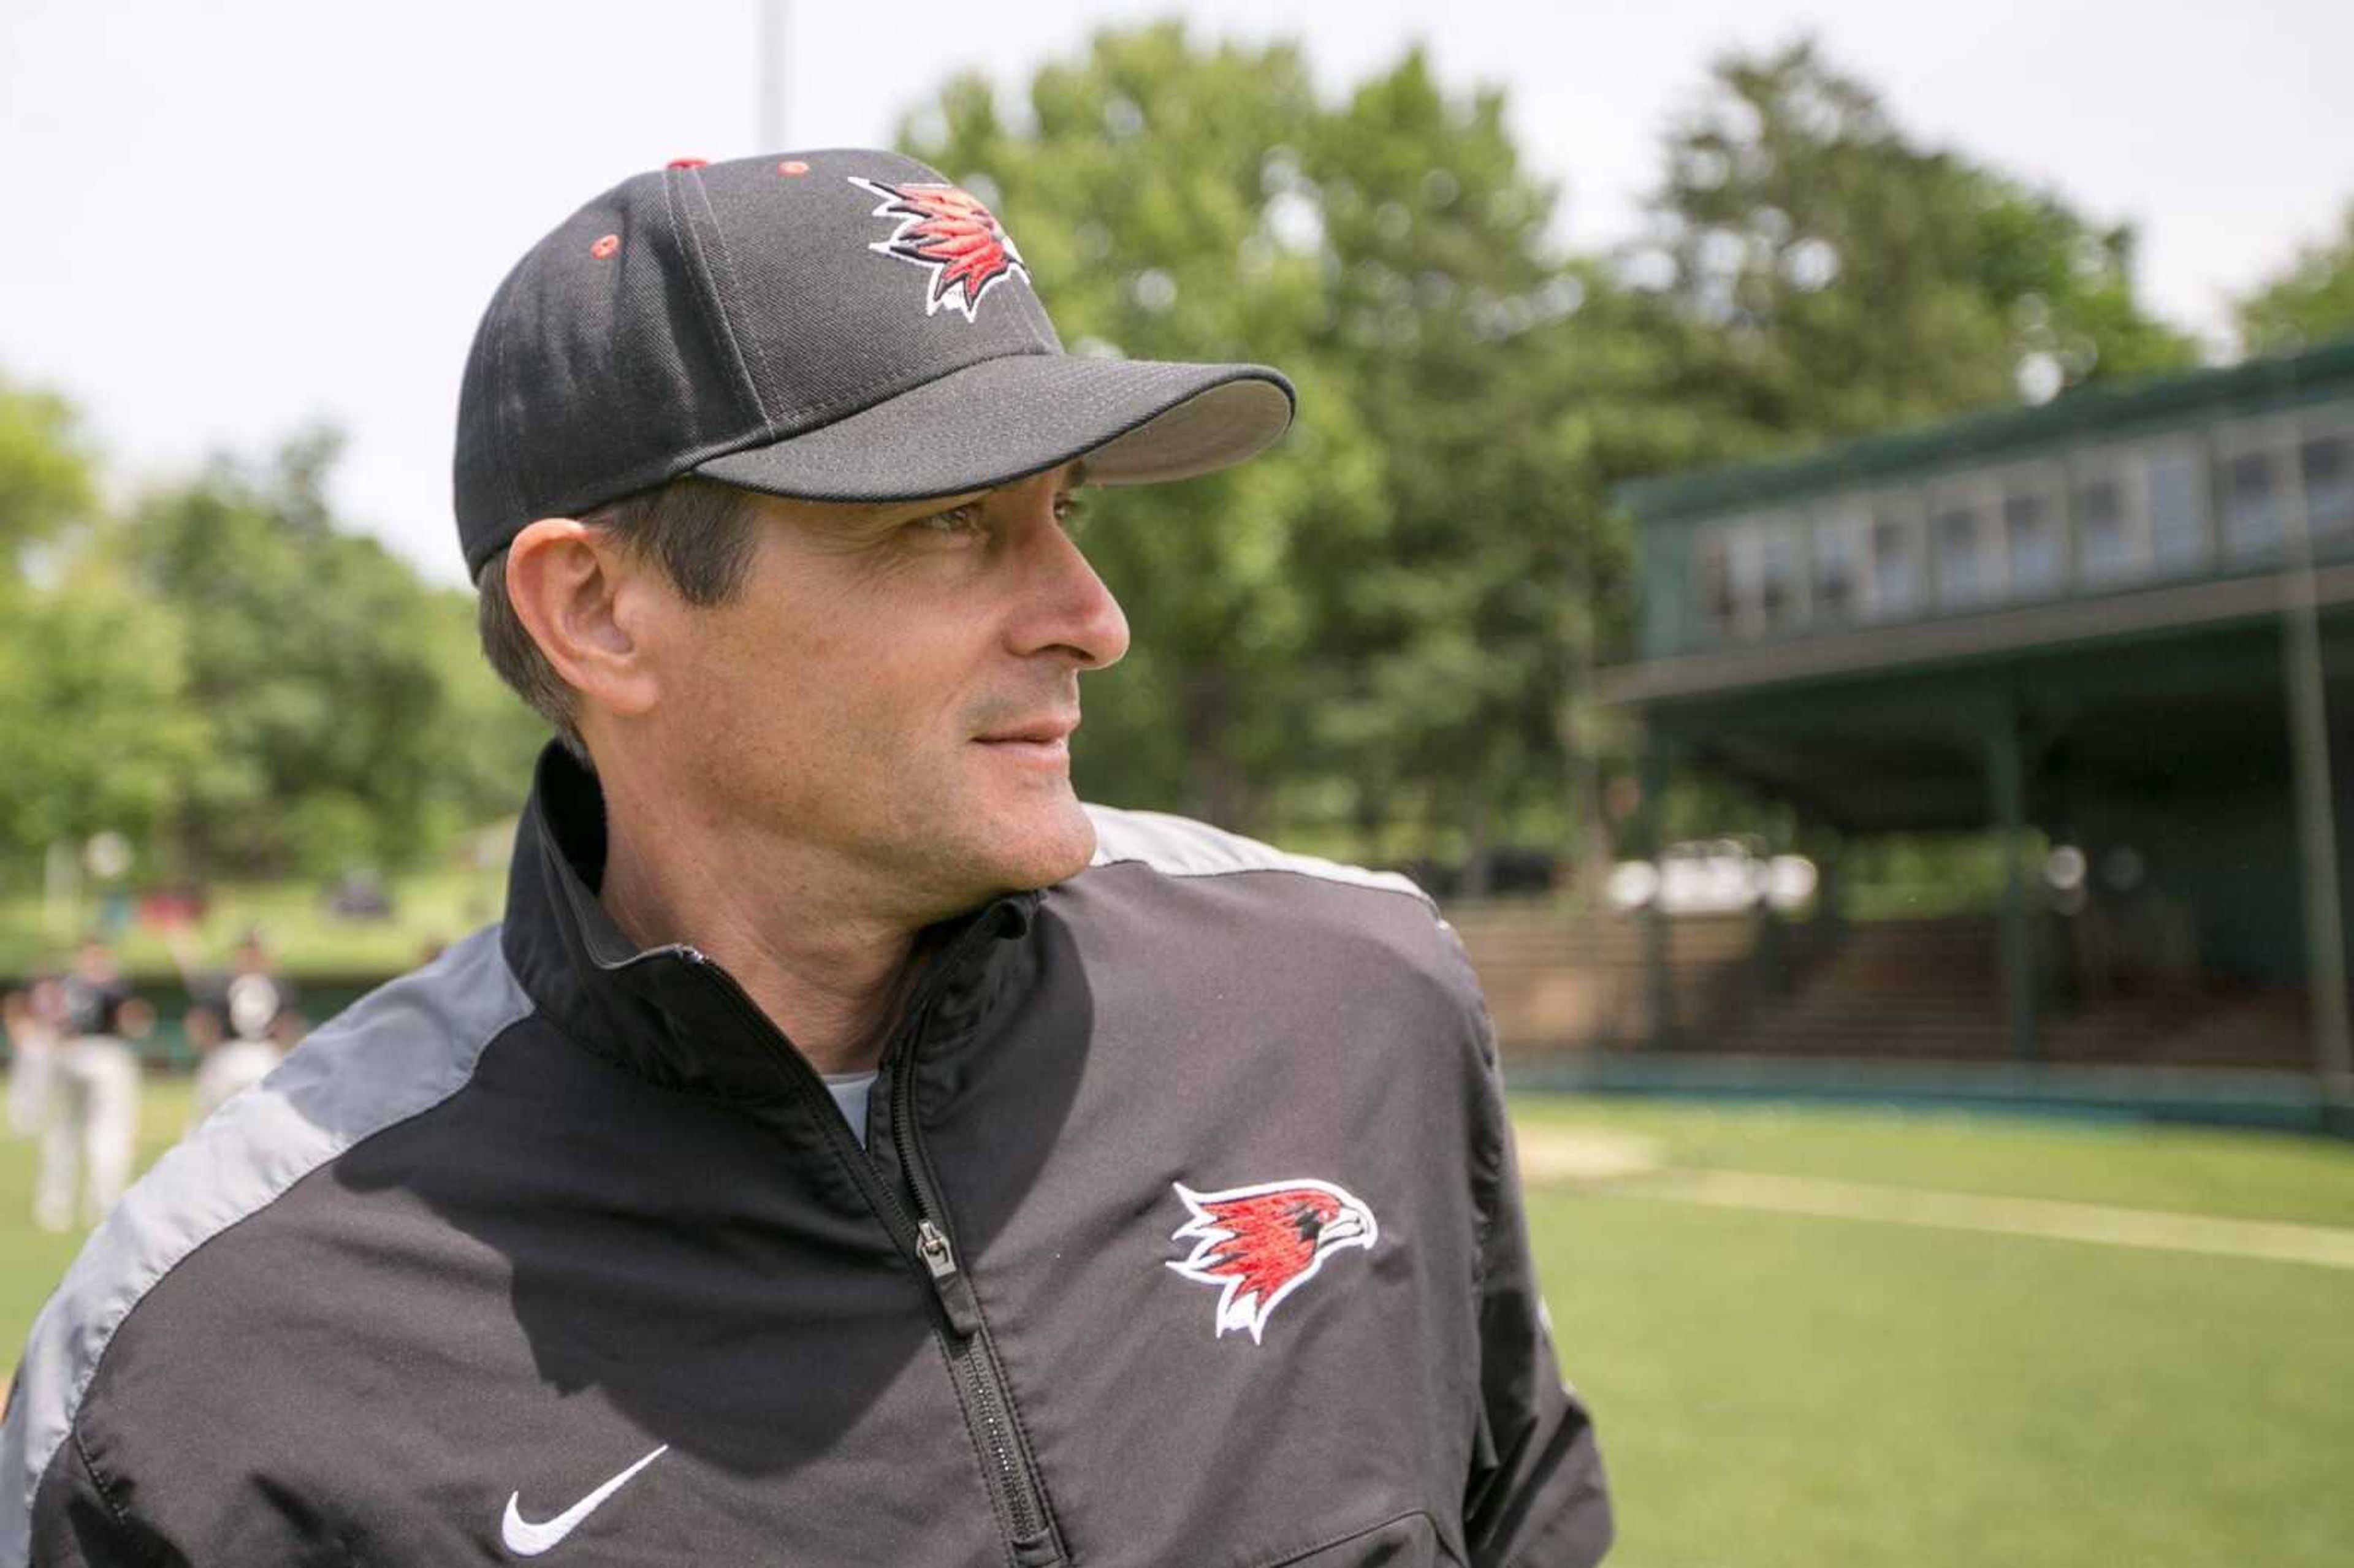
<point x="228" y="676"/>
<point x="2310" y="300"/>
<point x="352" y="720"/>
<point x="91" y="705"/>
<point x="46" y="472"/>
<point x="1848" y="279"/>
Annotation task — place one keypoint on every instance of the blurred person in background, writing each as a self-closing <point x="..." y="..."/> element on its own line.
<point x="90" y="1125"/>
<point x="233" y="1023"/>
<point x="245" y="1000"/>
<point x="849" y="1149"/>
<point x="31" y="1019"/>
<point x="229" y="1064"/>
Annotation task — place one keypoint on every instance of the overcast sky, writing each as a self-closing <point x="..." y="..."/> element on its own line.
<point x="225" y="219"/>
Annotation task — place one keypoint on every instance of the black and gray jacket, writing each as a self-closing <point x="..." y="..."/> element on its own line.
<point x="1185" y="1233"/>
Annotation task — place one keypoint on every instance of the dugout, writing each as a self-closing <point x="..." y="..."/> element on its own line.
<point x="2118" y="626"/>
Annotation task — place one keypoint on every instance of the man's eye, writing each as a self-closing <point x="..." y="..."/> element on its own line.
<point x="955" y="520"/>
<point x="1070" y="511"/>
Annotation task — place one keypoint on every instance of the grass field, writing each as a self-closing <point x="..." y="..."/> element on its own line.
<point x="1791" y="1389"/>
<point x="434" y="906"/>
<point x="1788" y="1390"/>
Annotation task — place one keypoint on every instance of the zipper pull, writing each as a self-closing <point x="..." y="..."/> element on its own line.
<point x="948" y="1282"/>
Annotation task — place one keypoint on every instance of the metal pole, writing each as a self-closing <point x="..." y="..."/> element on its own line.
<point x="768" y="109"/>
<point x="2316" y="821"/>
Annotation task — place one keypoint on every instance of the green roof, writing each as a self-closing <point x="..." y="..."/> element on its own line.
<point x="2086" y="411"/>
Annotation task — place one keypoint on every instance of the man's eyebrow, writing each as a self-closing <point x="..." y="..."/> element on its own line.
<point x="1078" y="475"/>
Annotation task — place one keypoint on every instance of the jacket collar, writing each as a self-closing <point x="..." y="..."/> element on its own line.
<point x="669" y="1014"/>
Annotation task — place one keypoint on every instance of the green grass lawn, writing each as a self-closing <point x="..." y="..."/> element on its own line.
<point x="1780" y="1390"/>
<point x="1791" y="1392"/>
<point x="2143" y="1165"/>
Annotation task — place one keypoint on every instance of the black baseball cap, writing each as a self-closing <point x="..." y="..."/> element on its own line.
<point x="838" y="325"/>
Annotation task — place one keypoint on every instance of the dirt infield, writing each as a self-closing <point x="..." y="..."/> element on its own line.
<point x="1610" y="1161"/>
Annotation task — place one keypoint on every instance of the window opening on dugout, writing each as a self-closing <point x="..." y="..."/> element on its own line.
<point x="2325" y="467"/>
<point x="1899" y="560"/>
<point x="2255" y="501"/>
<point x="1967" y="573"/>
<point x="2174" y="479"/>
<point x="2035" y="545"/>
<point x="1840" y="541"/>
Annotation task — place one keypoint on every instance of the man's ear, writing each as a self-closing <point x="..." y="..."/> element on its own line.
<point x="586" y="602"/>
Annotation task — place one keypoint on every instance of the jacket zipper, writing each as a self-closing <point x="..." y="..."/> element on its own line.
<point x="1013" y="1474"/>
<point x="1007" y="1468"/>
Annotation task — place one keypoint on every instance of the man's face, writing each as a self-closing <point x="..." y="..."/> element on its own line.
<point x="894" y="687"/>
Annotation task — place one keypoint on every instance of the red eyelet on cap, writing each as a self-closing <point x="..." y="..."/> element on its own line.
<point x="606" y="245"/>
<point x="793" y="166"/>
<point x="687" y="162"/>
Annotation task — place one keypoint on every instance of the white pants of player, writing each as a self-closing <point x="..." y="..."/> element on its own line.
<point x="227" y="1071"/>
<point x="90" y="1131"/>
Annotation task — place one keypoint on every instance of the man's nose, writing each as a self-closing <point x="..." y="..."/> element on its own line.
<point x="1076" y="611"/>
<point x="1065" y="604"/>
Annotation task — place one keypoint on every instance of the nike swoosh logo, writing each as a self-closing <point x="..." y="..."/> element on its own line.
<point x="526" y="1539"/>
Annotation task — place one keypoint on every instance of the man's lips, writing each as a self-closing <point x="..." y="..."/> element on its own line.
<point x="1036" y="743"/>
<point x="1035" y="732"/>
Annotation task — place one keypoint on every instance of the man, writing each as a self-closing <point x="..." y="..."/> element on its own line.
<point x="30" y="1019"/>
<point x="244" y="1000"/>
<point x="849" y="1149"/>
<point x="233" y="1021"/>
<point x="89" y="1129"/>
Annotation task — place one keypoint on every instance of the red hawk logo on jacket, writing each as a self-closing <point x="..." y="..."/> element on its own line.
<point x="1260" y="1244"/>
<point x="945" y="231"/>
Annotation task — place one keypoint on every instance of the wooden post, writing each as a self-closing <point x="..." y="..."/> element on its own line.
<point x="1659" y="989"/>
<point x="2006" y="772"/>
<point x="2316" y="816"/>
<point x="1825" y="847"/>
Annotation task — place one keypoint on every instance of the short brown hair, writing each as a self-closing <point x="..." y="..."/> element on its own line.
<point x="700" y="531"/>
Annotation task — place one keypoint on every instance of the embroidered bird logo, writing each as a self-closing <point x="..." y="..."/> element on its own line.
<point x="946" y="230"/>
<point x="1259" y="1243"/>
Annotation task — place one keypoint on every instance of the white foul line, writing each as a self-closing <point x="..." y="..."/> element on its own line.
<point x="2103" y="1225"/>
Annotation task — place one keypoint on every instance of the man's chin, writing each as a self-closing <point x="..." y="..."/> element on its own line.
<point x="1058" y="850"/>
<point x="1045" y="844"/>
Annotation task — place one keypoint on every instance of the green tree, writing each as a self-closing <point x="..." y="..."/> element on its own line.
<point x="1447" y="323"/>
<point x="93" y="709"/>
<point x="46" y="471"/>
<point x="2308" y="300"/>
<point x="347" y="712"/>
<point x="92" y="719"/>
<point x="1853" y="280"/>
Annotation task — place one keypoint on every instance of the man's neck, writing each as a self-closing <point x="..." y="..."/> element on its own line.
<point x="832" y="977"/>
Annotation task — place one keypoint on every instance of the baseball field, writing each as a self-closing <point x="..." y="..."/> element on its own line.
<point x="1817" y="1338"/>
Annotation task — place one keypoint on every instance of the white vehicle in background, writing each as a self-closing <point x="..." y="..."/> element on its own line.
<point x="1713" y="876"/>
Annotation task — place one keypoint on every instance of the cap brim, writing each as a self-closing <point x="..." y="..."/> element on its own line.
<point x="1136" y="421"/>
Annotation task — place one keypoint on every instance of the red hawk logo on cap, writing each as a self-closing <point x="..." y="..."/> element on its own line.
<point x="1260" y="1244"/>
<point x="945" y="231"/>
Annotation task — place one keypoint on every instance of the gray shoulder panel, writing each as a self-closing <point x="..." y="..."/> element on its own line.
<point x="397" y="1052"/>
<point x="1178" y="846"/>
